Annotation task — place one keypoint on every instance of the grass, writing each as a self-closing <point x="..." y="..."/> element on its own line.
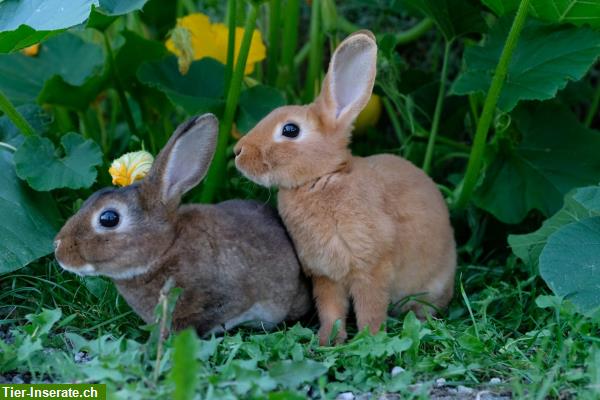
<point x="501" y="324"/>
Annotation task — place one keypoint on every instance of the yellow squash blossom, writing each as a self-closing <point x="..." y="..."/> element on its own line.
<point x="210" y="40"/>
<point x="130" y="167"/>
<point x="32" y="50"/>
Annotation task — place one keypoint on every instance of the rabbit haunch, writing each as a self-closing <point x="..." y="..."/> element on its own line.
<point x="373" y="229"/>
<point x="233" y="260"/>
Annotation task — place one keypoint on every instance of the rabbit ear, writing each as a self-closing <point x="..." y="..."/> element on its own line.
<point x="349" y="81"/>
<point x="185" y="159"/>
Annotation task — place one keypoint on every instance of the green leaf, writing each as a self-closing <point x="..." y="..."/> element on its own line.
<point x="37" y="162"/>
<point x="576" y="12"/>
<point x="570" y="263"/>
<point x="199" y="91"/>
<point x="545" y="59"/>
<point x="44" y="321"/>
<point x="454" y="18"/>
<point x="53" y="76"/>
<point x="23" y="23"/>
<point x="580" y="203"/>
<point x="537" y="172"/>
<point x="255" y="103"/>
<point x="37" y="118"/>
<point x="502" y="7"/>
<point x="291" y="374"/>
<point x="135" y="51"/>
<point x="29" y="220"/>
<point x="184" y="370"/>
<point x="108" y="11"/>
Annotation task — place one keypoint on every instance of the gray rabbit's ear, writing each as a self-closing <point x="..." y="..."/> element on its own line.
<point x="349" y="81"/>
<point x="185" y="159"/>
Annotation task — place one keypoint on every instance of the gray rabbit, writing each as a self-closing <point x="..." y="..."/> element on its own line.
<point x="233" y="260"/>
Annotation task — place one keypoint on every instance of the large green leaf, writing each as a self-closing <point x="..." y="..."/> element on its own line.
<point x="576" y="12"/>
<point x="67" y="71"/>
<point x="502" y="7"/>
<point x="25" y="22"/>
<point x="200" y="90"/>
<point x="556" y="154"/>
<point x="255" y="103"/>
<point x="37" y="162"/>
<point x="29" y="220"/>
<point x="453" y="18"/>
<point x="37" y="118"/>
<point x="133" y="53"/>
<point x="580" y="203"/>
<point x="570" y="263"/>
<point x="545" y="59"/>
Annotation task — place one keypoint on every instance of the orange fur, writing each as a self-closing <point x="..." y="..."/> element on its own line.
<point x="375" y="229"/>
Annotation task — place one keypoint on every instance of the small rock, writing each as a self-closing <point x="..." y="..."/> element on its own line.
<point x="345" y="396"/>
<point x="81" y="357"/>
<point x="440" y="382"/>
<point x="397" y="370"/>
<point x="495" y="381"/>
<point x="464" y="390"/>
<point x="17" y="379"/>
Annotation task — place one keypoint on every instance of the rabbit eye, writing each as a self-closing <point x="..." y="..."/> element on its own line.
<point x="290" y="130"/>
<point x="109" y="218"/>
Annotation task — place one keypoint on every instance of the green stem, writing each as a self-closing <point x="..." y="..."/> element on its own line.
<point x="346" y="26"/>
<point x="217" y="169"/>
<point x="119" y="86"/>
<point x="290" y="41"/>
<point x="8" y="147"/>
<point x="593" y="111"/>
<point x="465" y="190"/>
<point x="437" y="114"/>
<point x="15" y="117"/>
<point x="231" y="18"/>
<point x="394" y="119"/>
<point x="412" y="34"/>
<point x="274" y="38"/>
<point x="316" y="52"/>
<point x="301" y="55"/>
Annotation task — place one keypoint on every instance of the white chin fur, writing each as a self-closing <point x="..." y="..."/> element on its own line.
<point x="90" y="270"/>
<point x="85" y="270"/>
<point x="128" y="273"/>
<point x="263" y="180"/>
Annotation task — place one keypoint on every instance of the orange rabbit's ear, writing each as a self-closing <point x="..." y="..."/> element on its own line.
<point x="349" y="81"/>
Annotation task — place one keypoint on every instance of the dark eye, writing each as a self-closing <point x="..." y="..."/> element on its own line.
<point x="290" y="131"/>
<point x="109" y="218"/>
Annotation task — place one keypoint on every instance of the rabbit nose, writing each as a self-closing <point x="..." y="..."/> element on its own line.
<point x="237" y="150"/>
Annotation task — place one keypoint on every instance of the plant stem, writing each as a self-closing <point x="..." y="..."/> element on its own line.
<point x="391" y="112"/>
<point x="465" y="190"/>
<point x="231" y="18"/>
<point x="439" y="105"/>
<point x="412" y="34"/>
<point x="217" y="169"/>
<point x="119" y="86"/>
<point x="274" y="37"/>
<point x="593" y="111"/>
<point x="8" y="147"/>
<point x="290" y="41"/>
<point x="316" y="52"/>
<point x="15" y="117"/>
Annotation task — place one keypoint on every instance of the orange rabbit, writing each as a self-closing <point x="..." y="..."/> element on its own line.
<point x="373" y="229"/>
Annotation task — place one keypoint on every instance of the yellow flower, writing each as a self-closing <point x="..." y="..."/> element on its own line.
<point x="130" y="167"/>
<point x="210" y="40"/>
<point x="32" y="50"/>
